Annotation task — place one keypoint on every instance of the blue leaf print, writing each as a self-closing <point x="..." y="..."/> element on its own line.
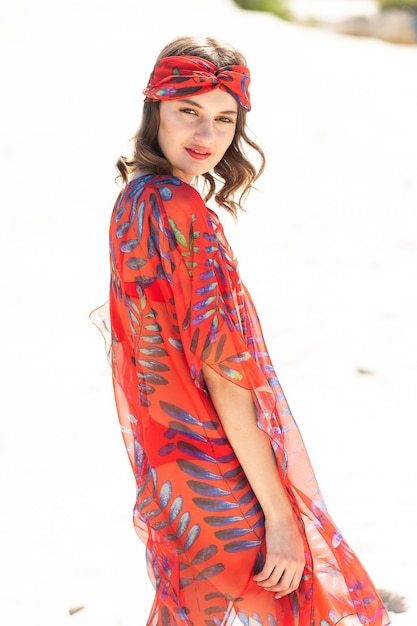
<point x="170" y="434"/>
<point x="209" y="572"/>
<point x="239" y="357"/>
<point x="259" y="524"/>
<point x="194" y="452"/>
<point x="153" y="339"/>
<point x="142" y="488"/>
<point x="166" y="193"/>
<point x="243" y="618"/>
<point x="182" y="613"/>
<point x="214" y="505"/>
<point x="214" y="594"/>
<point x="232" y="533"/>
<point x="272" y="621"/>
<point x="136" y="263"/>
<point x="153" y="379"/>
<point x="154" y="351"/>
<point x="210" y="237"/>
<point x="132" y="304"/>
<point x="165" y="494"/>
<point x="220" y="346"/>
<point x="133" y="318"/>
<point x="273" y="381"/>
<point x="165" y="590"/>
<point x="152" y="364"/>
<point x="128" y="246"/>
<point x="154" y="479"/>
<point x="183" y="524"/>
<point x="220" y="273"/>
<point x="204" y="554"/>
<point x="337" y="538"/>
<point x="123" y="228"/>
<point x="335" y="617"/>
<point x="160" y="525"/>
<point x="174" y="411"/>
<point x="192" y="536"/>
<point x="210" y="425"/>
<point x="141" y="215"/>
<point x="176" y="344"/>
<point x="143" y="504"/>
<point x="208" y="274"/>
<point x="241" y="484"/>
<point x="196" y="470"/>
<point x="202" y="291"/>
<point x="256" y="508"/>
<point x="178" y="428"/>
<point x="203" y="303"/>
<point x="217" y="520"/>
<point x="226" y="458"/>
<point x="144" y="388"/>
<point x="152" y="248"/>
<point x="233" y="473"/>
<point x="238" y="546"/>
<point x="206" y="490"/>
<point x="246" y="498"/>
<point x="198" y="319"/>
<point x="155" y="210"/>
<point x="153" y="326"/>
<point x="165" y="450"/>
<point x="145" y="281"/>
<point x="165" y="617"/>
<point x="230" y="372"/>
<point x="213" y="609"/>
<point x="175" y="509"/>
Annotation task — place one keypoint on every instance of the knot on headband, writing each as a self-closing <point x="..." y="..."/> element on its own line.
<point x="181" y="76"/>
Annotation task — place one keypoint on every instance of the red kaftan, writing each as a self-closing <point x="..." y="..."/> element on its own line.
<point x="176" y="302"/>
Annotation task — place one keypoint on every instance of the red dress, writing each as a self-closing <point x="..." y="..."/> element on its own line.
<point x="176" y="303"/>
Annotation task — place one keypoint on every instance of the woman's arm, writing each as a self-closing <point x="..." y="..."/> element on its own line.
<point x="285" y="560"/>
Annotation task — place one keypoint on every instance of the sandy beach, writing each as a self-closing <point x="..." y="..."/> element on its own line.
<point x="333" y="220"/>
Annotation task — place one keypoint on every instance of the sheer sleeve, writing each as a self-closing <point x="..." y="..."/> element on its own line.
<point x="207" y="293"/>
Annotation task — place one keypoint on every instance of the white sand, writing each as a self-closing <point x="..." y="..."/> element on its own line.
<point x="334" y="279"/>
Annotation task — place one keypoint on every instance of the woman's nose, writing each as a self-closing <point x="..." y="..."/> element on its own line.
<point x="204" y="130"/>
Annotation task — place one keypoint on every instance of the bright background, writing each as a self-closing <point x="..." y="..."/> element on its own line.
<point x="328" y="248"/>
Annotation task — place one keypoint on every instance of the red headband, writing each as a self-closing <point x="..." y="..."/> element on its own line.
<point x="180" y="76"/>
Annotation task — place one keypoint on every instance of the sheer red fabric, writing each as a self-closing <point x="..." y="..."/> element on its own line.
<point x="176" y="303"/>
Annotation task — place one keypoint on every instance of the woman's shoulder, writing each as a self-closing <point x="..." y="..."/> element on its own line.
<point x="166" y="187"/>
<point x="169" y="196"/>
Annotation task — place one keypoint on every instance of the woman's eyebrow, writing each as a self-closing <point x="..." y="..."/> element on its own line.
<point x="198" y="106"/>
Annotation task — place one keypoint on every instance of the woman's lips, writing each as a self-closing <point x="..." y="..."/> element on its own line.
<point x="198" y="153"/>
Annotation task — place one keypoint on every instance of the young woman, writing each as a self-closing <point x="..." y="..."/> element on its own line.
<point x="227" y="503"/>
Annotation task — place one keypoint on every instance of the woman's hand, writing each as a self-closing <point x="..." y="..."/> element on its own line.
<point x="285" y="560"/>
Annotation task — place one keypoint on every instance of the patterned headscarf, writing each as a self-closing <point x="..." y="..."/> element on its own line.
<point x="181" y="76"/>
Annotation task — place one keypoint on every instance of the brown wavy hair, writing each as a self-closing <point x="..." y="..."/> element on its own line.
<point x="235" y="173"/>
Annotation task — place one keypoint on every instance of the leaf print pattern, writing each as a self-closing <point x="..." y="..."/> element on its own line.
<point x="176" y="303"/>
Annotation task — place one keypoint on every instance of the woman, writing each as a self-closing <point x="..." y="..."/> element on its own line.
<point x="227" y="503"/>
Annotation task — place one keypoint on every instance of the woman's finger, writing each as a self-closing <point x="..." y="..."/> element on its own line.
<point x="266" y="572"/>
<point x="283" y="589"/>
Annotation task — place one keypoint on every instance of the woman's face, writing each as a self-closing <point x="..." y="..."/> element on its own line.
<point x="195" y="132"/>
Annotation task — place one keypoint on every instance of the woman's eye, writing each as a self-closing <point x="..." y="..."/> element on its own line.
<point x="188" y="111"/>
<point x="226" y="119"/>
